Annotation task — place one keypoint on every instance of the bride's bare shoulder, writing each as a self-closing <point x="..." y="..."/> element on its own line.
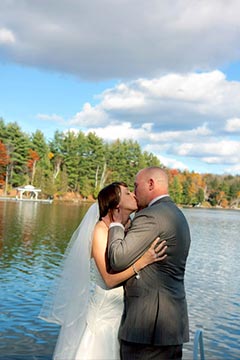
<point x="100" y="226"/>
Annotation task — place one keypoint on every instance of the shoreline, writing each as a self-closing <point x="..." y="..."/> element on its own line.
<point x="80" y="200"/>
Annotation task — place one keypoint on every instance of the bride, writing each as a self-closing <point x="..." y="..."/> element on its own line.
<point x="87" y="299"/>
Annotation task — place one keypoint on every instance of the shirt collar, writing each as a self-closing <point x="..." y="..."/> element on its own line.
<point x="156" y="199"/>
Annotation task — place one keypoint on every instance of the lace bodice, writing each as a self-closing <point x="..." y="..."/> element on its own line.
<point x="96" y="276"/>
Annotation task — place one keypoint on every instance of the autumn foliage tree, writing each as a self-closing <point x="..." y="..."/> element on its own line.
<point x="31" y="164"/>
<point x="4" y="161"/>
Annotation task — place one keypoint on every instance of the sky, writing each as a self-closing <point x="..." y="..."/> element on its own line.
<point x="163" y="73"/>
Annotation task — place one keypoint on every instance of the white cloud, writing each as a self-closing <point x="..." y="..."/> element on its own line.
<point x="122" y="131"/>
<point x="6" y="36"/>
<point x="122" y="39"/>
<point x="186" y="87"/>
<point x="52" y="117"/>
<point x="220" y="148"/>
<point x="123" y="97"/>
<point x="221" y="160"/>
<point x="173" y="116"/>
<point x="180" y="136"/>
<point x="223" y="152"/>
<point x="233" y="125"/>
<point x="90" y="116"/>
<point x="172" y="163"/>
<point x="172" y="102"/>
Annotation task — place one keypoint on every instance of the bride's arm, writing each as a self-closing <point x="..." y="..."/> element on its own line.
<point x="99" y="253"/>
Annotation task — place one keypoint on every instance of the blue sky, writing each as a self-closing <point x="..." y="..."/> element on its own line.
<point x="167" y="77"/>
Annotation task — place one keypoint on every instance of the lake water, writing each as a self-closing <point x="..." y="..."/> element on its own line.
<point x="33" y="238"/>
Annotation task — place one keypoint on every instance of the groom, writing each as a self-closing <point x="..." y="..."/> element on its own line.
<point x="155" y="320"/>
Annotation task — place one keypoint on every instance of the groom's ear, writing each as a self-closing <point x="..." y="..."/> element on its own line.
<point x="151" y="184"/>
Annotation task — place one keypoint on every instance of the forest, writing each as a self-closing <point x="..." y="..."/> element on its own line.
<point x="82" y="164"/>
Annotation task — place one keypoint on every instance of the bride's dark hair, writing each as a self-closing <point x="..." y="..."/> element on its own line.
<point x="108" y="198"/>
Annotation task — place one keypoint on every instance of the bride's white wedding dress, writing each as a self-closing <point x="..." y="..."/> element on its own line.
<point x="100" y="338"/>
<point x="89" y="313"/>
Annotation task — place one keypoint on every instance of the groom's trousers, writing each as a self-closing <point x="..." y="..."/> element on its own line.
<point x="134" y="351"/>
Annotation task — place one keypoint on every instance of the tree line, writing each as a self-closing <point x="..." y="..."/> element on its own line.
<point x="83" y="164"/>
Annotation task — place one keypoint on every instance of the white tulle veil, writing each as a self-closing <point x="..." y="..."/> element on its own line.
<point x="68" y="299"/>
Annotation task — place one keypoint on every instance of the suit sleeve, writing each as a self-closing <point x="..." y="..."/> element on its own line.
<point x="125" y="249"/>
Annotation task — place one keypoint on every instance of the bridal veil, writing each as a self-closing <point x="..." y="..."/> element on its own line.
<point x="68" y="299"/>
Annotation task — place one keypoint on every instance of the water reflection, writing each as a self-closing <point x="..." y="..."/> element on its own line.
<point x="33" y="238"/>
<point x="29" y="228"/>
<point x="212" y="281"/>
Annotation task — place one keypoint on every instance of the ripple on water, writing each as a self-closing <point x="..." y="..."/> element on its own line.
<point x="32" y="254"/>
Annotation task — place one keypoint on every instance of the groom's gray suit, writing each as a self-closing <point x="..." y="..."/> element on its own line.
<point x="155" y="308"/>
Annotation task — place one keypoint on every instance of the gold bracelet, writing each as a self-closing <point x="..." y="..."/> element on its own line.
<point x="136" y="272"/>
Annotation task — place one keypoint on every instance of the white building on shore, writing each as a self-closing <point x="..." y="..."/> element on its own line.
<point x="30" y="190"/>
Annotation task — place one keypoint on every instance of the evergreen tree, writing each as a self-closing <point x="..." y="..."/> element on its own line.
<point x="18" y="144"/>
<point x="61" y="182"/>
<point x="56" y="145"/>
<point x="39" y="178"/>
<point x="124" y="160"/>
<point x="3" y="131"/>
<point x="186" y="196"/>
<point x="148" y="159"/>
<point x="39" y="144"/>
<point x="200" y="196"/>
<point x="72" y="159"/>
<point x="55" y="154"/>
<point x="175" y="190"/>
<point x="233" y="191"/>
<point x="95" y="162"/>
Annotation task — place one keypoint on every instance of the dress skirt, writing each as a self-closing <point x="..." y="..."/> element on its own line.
<point x="100" y="338"/>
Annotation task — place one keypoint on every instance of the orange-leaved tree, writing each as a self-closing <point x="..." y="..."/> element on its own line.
<point x="32" y="162"/>
<point x="4" y="161"/>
